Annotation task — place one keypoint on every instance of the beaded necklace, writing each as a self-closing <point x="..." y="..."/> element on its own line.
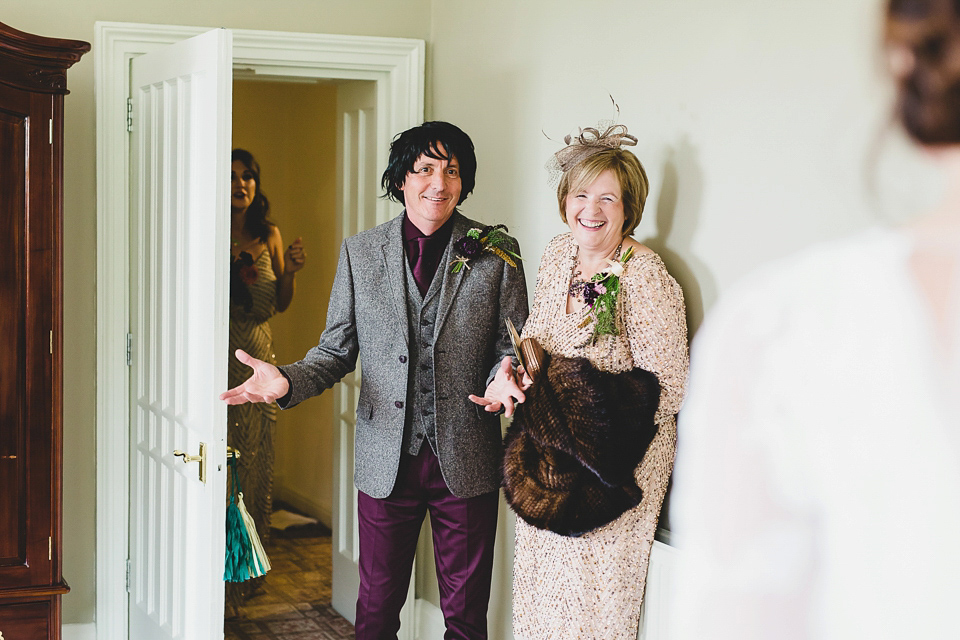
<point x="578" y="285"/>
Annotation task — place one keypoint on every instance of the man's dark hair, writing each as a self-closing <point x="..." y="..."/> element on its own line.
<point x="426" y="139"/>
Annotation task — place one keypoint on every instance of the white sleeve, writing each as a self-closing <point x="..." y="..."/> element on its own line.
<point x="744" y="528"/>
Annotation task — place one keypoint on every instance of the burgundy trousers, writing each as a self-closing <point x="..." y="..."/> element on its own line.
<point x="464" y="530"/>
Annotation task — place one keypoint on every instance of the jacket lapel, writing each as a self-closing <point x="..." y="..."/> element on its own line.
<point x="393" y="258"/>
<point x="451" y="281"/>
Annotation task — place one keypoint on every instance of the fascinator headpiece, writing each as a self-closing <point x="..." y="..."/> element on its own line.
<point x="587" y="142"/>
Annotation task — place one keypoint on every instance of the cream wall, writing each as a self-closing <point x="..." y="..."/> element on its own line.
<point x="73" y="19"/>
<point x="290" y="128"/>
<point x="753" y="117"/>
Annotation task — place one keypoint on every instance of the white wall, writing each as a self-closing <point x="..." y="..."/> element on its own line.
<point x="753" y="117"/>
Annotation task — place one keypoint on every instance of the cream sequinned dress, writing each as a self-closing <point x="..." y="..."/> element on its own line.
<point x="592" y="586"/>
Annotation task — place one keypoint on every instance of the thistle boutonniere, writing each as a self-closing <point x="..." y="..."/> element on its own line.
<point x="492" y="239"/>
<point x="600" y="294"/>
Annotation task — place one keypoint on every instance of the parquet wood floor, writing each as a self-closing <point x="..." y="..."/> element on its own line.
<point x="295" y="601"/>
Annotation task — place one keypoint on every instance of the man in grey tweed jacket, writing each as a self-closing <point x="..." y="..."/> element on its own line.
<point x="427" y="338"/>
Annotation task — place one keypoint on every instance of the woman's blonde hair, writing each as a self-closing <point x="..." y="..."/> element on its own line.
<point x="633" y="181"/>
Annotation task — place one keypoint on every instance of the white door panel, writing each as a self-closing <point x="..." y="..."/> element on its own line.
<point x="356" y="202"/>
<point x="179" y="320"/>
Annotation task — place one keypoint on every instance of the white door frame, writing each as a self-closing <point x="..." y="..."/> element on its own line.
<point x="395" y="64"/>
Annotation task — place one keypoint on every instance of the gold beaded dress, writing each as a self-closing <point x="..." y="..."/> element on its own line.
<point x="592" y="586"/>
<point x="251" y="427"/>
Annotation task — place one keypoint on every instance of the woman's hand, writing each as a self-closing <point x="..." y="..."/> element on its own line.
<point x="285" y="267"/>
<point x="294" y="257"/>
<point x="265" y="385"/>
<point x="502" y="392"/>
<point x="525" y="380"/>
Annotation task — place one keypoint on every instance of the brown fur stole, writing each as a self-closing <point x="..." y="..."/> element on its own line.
<point x="574" y="444"/>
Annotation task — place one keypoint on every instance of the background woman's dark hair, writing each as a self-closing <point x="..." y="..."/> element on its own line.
<point x="928" y="100"/>
<point x="425" y="140"/>
<point x="258" y="223"/>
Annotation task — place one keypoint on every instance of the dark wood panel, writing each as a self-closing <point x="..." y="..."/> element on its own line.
<point x="34" y="592"/>
<point x="32" y="84"/>
<point x="43" y="414"/>
<point x="29" y="621"/>
<point x="30" y="221"/>
<point x="36" y="63"/>
<point x="13" y="369"/>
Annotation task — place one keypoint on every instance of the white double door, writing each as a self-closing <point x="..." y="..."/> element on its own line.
<point x="180" y="173"/>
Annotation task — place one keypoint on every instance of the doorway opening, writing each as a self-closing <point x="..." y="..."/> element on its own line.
<point x="291" y="126"/>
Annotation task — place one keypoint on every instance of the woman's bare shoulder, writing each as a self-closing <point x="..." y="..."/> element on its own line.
<point x="638" y="248"/>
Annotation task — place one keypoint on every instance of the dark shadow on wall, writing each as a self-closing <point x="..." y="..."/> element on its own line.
<point x="678" y="213"/>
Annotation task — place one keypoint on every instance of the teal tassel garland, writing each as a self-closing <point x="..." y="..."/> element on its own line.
<point x="238" y="546"/>
<point x="245" y="557"/>
<point x="259" y="562"/>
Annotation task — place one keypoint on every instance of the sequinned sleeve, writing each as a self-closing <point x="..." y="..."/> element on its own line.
<point x="654" y="317"/>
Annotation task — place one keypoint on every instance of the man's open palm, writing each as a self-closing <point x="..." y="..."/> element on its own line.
<point x="265" y="385"/>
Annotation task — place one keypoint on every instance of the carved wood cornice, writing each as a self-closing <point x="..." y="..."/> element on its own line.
<point x="37" y="63"/>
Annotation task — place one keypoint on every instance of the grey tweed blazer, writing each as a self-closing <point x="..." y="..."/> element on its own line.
<point x="367" y="319"/>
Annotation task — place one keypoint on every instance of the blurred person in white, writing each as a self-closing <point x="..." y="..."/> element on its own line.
<point x="818" y="477"/>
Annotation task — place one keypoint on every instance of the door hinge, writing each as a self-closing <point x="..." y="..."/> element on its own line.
<point x="129" y="115"/>
<point x="51" y="130"/>
<point x="129" y="349"/>
<point x="50" y="548"/>
<point x="128" y="575"/>
<point x="51" y="342"/>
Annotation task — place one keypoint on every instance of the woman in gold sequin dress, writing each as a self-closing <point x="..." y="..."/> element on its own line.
<point x="262" y="284"/>
<point x="591" y="586"/>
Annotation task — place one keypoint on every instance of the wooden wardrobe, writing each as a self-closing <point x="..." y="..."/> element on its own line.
<point x="33" y="81"/>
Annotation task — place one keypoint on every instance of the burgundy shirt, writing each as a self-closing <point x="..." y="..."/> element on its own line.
<point x="433" y="250"/>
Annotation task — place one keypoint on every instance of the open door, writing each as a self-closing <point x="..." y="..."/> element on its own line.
<point x="356" y="202"/>
<point x="180" y="176"/>
<point x="357" y="191"/>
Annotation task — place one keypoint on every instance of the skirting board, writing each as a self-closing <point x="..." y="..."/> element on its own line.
<point x="429" y="621"/>
<point x="79" y="631"/>
<point x="304" y="503"/>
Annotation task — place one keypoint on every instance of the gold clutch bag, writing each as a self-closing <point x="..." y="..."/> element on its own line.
<point x="531" y="355"/>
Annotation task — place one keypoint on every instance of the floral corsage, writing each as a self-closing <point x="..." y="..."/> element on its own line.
<point x="243" y="273"/>
<point x="600" y="295"/>
<point x="492" y="239"/>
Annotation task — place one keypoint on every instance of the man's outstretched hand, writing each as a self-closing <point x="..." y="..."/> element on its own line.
<point x="265" y="385"/>
<point x="503" y="392"/>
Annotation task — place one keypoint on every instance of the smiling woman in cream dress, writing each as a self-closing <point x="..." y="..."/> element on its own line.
<point x="591" y="586"/>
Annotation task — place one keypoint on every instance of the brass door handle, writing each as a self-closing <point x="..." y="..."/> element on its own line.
<point x="187" y="457"/>
<point x="202" y="459"/>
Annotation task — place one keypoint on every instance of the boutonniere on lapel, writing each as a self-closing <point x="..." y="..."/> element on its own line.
<point x="492" y="239"/>
<point x="600" y="295"/>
